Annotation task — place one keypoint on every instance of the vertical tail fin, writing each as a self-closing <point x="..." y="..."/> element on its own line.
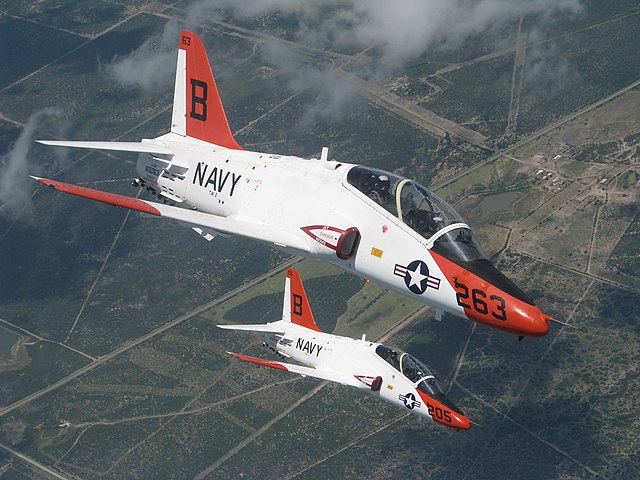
<point x="197" y="108"/>
<point x="296" y="307"/>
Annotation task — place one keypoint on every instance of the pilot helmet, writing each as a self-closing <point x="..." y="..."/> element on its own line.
<point x="383" y="182"/>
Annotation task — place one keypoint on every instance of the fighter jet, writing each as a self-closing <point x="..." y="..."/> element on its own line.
<point x="385" y="372"/>
<point x="370" y="222"/>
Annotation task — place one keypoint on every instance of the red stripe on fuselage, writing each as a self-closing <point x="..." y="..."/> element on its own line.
<point x="104" y="197"/>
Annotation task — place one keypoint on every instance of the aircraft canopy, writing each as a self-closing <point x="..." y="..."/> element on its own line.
<point x="420" y="209"/>
<point x="414" y="370"/>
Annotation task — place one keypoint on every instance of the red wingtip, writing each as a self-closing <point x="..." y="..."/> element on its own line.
<point x="104" y="197"/>
<point x="258" y="361"/>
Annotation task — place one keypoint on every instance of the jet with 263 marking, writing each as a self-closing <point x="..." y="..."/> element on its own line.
<point x="367" y="221"/>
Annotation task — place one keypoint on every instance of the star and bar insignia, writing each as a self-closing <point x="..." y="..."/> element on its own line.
<point x="416" y="277"/>
<point x="410" y="401"/>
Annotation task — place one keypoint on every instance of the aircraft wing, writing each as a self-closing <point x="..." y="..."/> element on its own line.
<point x="327" y="375"/>
<point x="273" y="327"/>
<point x="228" y="225"/>
<point x="137" y="147"/>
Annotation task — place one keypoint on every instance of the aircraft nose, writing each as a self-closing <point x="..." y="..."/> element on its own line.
<point x="444" y="411"/>
<point x="531" y="322"/>
<point x="460" y="422"/>
<point x="541" y="325"/>
<point x="489" y="297"/>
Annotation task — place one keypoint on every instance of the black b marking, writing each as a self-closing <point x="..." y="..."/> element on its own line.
<point x="198" y="100"/>
<point x="297" y="304"/>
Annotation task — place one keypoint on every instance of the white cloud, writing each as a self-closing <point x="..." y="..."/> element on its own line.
<point x="15" y="184"/>
<point x="150" y="67"/>
<point x="401" y="30"/>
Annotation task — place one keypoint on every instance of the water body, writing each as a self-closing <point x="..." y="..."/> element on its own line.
<point x="7" y="340"/>
<point x="500" y="202"/>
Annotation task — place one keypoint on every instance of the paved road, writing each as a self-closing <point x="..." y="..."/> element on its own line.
<point x="37" y="465"/>
<point x="543" y="131"/>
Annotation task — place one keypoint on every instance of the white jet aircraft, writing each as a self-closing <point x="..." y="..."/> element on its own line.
<point x="373" y="223"/>
<point x="382" y="371"/>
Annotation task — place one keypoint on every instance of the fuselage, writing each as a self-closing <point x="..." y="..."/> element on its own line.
<point x="319" y="211"/>
<point x="384" y="372"/>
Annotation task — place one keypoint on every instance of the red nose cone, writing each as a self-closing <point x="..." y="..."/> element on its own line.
<point x="527" y="321"/>
<point x="459" y="422"/>
<point x="443" y="411"/>
<point x="486" y="296"/>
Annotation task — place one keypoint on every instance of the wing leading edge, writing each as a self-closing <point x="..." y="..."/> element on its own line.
<point x="327" y="375"/>
<point x="228" y="225"/>
<point x="136" y="147"/>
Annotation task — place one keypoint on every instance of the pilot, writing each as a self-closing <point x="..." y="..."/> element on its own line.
<point x="389" y="355"/>
<point x="393" y="359"/>
<point x="408" y="202"/>
<point x="380" y="191"/>
<point x="424" y="222"/>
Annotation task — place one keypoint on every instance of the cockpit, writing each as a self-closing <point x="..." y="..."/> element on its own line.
<point x="420" y="209"/>
<point x="409" y="366"/>
<point x="416" y="372"/>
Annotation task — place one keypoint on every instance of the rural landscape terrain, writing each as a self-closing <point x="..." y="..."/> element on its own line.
<point x="111" y="364"/>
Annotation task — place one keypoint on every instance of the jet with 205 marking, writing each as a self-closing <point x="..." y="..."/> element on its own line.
<point x="370" y="222"/>
<point x="385" y="372"/>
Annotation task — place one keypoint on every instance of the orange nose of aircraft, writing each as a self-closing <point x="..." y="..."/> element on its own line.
<point x="443" y="411"/>
<point x="527" y="321"/>
<point x="489" y="297"/>
<point x="459" y="422"/>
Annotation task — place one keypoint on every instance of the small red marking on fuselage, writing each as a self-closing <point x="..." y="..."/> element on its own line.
<point x="315" y="232"/>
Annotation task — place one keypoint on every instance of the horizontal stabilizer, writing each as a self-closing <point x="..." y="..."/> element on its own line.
<point x="273" y="327"/>
<point x="139" y="147"/>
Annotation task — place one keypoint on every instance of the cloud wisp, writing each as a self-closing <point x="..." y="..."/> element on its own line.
<point x="15" y="165"/>
<point x="151" y="67"/>
<point x="401" y="31"/>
